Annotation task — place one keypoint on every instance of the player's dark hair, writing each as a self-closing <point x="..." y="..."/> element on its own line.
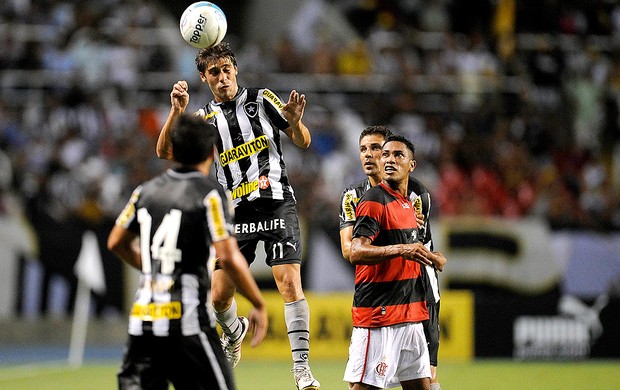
<point x="211" y="55"/>
<point x="400" y="138"/>
<point x="193" y="139"/>
<point x="377" y="129"/>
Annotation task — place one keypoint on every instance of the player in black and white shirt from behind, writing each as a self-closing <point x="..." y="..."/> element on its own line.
<point x="180" y="218"/>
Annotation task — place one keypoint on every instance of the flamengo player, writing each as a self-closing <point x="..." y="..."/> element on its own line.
<point x="370" y="269"/>
<point x="370" y="141"/>
<point x="251" y="166"/>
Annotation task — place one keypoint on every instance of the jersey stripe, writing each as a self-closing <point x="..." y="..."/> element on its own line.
<point x="375" y="317"/>
<point x="249" y="168"/>
<point x="392" y="291"/>
<point x="395" y="292"/>
<point x="391" y="270"/>
<point x="350" y="198"/>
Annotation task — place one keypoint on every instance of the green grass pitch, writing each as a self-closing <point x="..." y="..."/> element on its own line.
<point x="275" y="375"/>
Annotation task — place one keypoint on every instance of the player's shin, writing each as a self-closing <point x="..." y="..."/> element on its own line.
<point x="297" y="317"/>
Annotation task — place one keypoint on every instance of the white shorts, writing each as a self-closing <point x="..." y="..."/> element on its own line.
<point x="383" y="357"/>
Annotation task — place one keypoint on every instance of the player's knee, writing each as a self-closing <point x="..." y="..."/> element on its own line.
<point x="288" y="280"/>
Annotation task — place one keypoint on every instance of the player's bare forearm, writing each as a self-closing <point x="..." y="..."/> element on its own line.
<point x="345" y="242"/>
<point x="122" y="243"/>
<point x="293" y="111"/>
<point x="164" y="141"/>
<point x="235" y="265"/>
<point x="300" y="135"/>
<point x="179" y="98"/>
<point x="239" y="273"/>
<point x="363" y="253"/>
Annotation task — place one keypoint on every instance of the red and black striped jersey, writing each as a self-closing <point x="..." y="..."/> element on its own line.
<point x="420" y="197"/>
<point x="177" y="215"/>
<point x="391" y="292"/>
<point x="249" y="162"/>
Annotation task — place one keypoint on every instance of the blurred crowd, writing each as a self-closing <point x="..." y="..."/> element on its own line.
<point x="512" y="105"/>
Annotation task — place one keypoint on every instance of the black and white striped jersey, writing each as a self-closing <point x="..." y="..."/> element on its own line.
<point x="250" y="162"/>
<point x="177" y="215"/>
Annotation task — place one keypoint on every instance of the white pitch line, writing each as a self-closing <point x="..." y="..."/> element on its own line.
<point x="26" y="371"/>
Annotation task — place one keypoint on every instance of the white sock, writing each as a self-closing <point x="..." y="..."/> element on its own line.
<point x="297" y="318"/>
<point x="435" y="386"/>
<point x="229" y="321"/>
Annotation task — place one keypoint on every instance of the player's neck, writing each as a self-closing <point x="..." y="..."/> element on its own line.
<point x="398" y="186"/>
<point x="204" y="167"/>
<point x="374" y="180"/>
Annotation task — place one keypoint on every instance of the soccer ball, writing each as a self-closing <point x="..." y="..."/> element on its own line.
<point x="203" y="24"/>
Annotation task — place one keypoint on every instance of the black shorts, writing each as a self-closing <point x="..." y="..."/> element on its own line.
<point x="431" y="331"/>
<point x="275" y="223"/>
<point x="188" y="362"/>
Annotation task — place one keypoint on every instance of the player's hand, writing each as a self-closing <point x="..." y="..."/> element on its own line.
<point x="179" y="97"/>
<point x="294" y="109"/>
<point x="439" y="260"/>
<point x="258" y="324"/>
<point x="417" y="252"/>
<point x="419" y="217"/>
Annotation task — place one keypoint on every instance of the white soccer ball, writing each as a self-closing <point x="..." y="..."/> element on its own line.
<point x="203" y="24"/>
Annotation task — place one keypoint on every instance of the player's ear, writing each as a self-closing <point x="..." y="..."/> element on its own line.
<point x="203" y="78"/>
<point x="413" y="165"/>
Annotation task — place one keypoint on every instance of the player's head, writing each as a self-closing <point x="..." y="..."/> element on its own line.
<point x="370" y="143"/>
<point x="397" y="158"/>
<point x="193" y="139"/>
<point x="378" y="130"/>
<point x="217" y="66"/>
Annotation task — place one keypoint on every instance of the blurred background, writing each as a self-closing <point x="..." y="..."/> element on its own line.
<point x="513" y="107"/>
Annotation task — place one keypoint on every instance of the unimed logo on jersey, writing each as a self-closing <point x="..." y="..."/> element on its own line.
<point x="244" y="150"/>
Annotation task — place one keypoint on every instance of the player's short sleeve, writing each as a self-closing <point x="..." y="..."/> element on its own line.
<point x="127" y="217"/>
<point x="348" y="203"/>
<point x="273" y="108"/>
<point x="219" y="215"/>
<point x="369" y="214"/>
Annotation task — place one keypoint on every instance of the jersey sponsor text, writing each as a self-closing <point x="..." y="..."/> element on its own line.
<point x="154" y="311"/>
<point x="273" y="98"/>
<point x="261" y="226"/>
<point x="244" y="150"/>
<point x="244" y="189"/>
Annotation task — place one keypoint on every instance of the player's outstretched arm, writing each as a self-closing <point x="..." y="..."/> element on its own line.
<point x="235" y="265"/>
<point x="179" y="98"/>
<point x="293" y="111"/>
